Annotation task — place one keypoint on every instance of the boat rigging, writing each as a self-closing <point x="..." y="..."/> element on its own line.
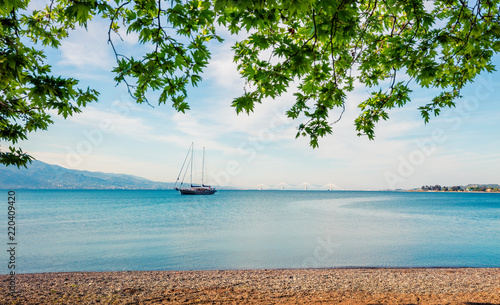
<point x="193" y="189"/>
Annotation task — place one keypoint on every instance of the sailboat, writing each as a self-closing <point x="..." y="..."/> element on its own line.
<point x="193" y="189"/>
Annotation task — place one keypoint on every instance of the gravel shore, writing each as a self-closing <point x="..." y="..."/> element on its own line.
<point x="294" y="286"/>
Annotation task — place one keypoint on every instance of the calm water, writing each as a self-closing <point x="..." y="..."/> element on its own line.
<point x="161" y="230"/>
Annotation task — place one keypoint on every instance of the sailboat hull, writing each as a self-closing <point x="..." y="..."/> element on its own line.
<point x="194" y="189"/>
<point x="197" y="191"/>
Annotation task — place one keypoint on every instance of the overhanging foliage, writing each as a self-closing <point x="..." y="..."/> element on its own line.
<point x="327" y="47"/>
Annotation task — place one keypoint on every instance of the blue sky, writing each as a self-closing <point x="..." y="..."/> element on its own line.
<point x="117" y="135"/>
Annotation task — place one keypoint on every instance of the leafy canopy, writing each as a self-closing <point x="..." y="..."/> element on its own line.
<point x="331" y="46"/>
<point x="325" y="46"/>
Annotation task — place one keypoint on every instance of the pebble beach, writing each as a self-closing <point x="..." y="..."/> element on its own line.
<point x="290" y="286"/>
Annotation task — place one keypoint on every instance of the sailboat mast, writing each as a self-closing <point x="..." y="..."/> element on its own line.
<point x="192" y="148"/>
<point x="203" y="166"/>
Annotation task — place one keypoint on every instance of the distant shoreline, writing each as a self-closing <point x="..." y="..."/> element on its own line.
<point x="273" y="190"/>
<point x="234" y="189"/>
<point x="280" y="286"/>
<point x="471" y="192"/>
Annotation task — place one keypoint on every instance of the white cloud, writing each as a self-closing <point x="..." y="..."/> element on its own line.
<point x="37" y="5"/>
<point x="118" y="164"/>
<point x="87" y="48"/>
<point x="112" y="122"/>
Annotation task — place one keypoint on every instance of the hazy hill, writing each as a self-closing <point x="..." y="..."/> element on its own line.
<point x="481" y="185"/>
<point x="40" y="175"/>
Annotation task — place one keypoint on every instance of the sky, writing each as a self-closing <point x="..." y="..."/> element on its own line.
<point x="117" y="135"/>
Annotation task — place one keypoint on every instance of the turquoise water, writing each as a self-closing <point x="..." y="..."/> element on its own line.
<point x="161" y="230"/>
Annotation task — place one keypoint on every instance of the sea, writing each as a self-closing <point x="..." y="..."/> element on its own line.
<point x="118" y="230"/>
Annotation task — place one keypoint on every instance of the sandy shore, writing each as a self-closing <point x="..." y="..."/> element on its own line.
<point x="302" y="286"/>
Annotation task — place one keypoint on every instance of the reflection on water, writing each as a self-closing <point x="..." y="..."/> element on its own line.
<point x="161" y="230"/>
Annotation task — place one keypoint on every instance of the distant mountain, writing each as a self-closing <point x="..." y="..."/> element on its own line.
<point x="481" y="185"/>
<point x="40" y="175"/>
